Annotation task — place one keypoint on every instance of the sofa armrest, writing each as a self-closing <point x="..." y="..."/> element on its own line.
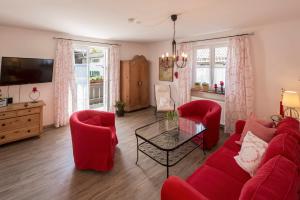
<point x="175" y="188"/>
<point x="239" y="126"/>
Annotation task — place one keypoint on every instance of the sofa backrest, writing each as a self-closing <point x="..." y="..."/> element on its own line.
<point x="277" y="179"/>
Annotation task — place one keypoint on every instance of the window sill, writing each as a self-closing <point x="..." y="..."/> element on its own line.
<point x="207" y="95"/>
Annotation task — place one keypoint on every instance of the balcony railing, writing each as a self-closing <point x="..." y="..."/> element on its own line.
<point x="96" y="92"/>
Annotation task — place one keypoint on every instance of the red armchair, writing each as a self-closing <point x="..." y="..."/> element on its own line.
<point x="94" y="139"/>
<point x="206" y="112"/>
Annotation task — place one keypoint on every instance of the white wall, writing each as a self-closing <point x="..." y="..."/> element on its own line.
<point x="277" y="64"/>
<point x="39" y="44"/>
<point x="276" y="60"/>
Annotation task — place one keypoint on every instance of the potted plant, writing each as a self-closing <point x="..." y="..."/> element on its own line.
<point x="171" y="121"/>
<point x="120" y="108"/>
<point x="171" y="115"/>
<point x="205" y="87"/>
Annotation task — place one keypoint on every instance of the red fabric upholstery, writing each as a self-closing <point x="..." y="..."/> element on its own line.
<point x="223" y="160"/>
<point x="239" y="126"/>
<point x="206" y="112"/>
<point x="285" y="145"/>
<point x="278" y="179"/>
<point x="94" y="139"/>
<point x="289" y="122"/>
<point x="214" y="183"/>
<point x="231" y="144"/>
<point x="221" y="178"/>
<point x="182" y="188"/>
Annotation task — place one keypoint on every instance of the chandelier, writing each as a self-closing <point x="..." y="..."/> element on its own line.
<point x="167" y="60"/>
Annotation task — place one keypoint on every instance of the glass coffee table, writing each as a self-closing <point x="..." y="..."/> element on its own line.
<point x="169" y="141"/>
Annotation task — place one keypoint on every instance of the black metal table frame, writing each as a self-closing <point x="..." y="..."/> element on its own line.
<point x="166" y="150"/>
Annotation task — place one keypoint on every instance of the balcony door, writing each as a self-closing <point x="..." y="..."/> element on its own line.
<point x="91" y="77"/>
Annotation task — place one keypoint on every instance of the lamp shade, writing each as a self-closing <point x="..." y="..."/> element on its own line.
<point x="291" y="99"/>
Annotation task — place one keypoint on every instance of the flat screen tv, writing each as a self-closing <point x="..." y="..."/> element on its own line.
<point x="18" y="71"/>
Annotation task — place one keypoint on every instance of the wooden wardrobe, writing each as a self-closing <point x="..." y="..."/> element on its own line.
<point x="134" y="83"/>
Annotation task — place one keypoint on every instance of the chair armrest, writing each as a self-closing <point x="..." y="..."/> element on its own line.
<point x="107" y="118"/>
<point x="175" y="188"/>
<point x="239" y="126"/>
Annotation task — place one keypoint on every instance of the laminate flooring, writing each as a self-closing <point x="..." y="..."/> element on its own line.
<point x="43" y="168"/>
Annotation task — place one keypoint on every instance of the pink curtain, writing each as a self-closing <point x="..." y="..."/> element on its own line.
<point x="64" y="83"/>
<point x="184" y="81"/>
<point x="114" y="76"/>
<point x="239" y="95"/>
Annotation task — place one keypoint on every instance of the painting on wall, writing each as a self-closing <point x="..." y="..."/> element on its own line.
<point x="165" y="74"/>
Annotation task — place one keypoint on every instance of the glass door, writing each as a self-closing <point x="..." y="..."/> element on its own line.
<point x="91" y="76"/>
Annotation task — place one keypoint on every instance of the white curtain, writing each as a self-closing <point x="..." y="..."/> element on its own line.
<point x="64" y="82"/>
<point x="114" y="76"/>
<point x="184" y="81"/>
<point x="239" y="95"/>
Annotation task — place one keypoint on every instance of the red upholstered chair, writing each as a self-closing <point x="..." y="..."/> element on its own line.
<point x="206" y="112"/>
<point x="94" y="139"/>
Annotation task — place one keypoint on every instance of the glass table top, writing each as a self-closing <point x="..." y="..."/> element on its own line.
<point x="169" y="134"/>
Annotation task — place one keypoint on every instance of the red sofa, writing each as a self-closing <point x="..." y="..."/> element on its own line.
<point x="94" y="139"/>
<point x="221" y="178"/>
<point x="206" y="112"/>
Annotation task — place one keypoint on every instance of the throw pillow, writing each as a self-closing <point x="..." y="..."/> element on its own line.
<point x="252" y="151"/>
<point x="257" y="129"/>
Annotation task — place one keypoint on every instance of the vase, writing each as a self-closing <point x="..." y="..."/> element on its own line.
<point x="34" y="96"/>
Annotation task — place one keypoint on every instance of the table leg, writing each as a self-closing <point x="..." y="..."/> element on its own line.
<point x="137" y="150"/>
<point x="167" y="164"/>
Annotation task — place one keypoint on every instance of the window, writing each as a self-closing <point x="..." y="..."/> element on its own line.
<point x="210" y="64"/>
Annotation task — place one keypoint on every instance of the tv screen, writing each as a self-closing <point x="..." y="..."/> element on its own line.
<point x="18" y="71"/>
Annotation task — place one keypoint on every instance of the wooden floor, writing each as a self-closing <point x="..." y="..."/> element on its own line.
<point x="43" y="168"/>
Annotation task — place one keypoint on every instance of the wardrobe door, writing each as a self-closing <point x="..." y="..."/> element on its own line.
<point x="134" y="101"/>
<point x="124" y="83"/>
<point x="144" y="83"/>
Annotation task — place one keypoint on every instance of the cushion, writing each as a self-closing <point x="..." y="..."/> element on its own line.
<point x="288" y="130"/>
<point x="278" y="179"/>
<point x="285" y="145"/>
<point x="257" y="129"/>
<point x="251" y="153"/>
<point x="95" y="120"/>
<point x="223" y="160"/>
<point x="230" y="143"/>
<point x="268" y="124"/>
<point x="289" y="122"/>
<point x="215" y="184"/>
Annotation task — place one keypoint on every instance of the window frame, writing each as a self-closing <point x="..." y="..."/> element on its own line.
<point x="211" y="47"/>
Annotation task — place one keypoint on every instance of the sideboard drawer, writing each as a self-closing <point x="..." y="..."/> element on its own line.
<point x="28" y="111"/>
<point x="19" y="122"/>
<point x="14" y="135"/>
<point x="6" y="115"/>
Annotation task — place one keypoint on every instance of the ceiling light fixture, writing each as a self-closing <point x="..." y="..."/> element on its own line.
<point x="167" y="60"/>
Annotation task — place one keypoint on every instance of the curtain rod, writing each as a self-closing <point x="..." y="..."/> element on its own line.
<point x="216" y="38"/>
<point x="58" y="38"/>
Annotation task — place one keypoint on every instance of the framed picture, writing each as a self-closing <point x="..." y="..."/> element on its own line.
<point x="165" y="74"/>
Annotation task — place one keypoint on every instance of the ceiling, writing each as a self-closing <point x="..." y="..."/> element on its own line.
<point x="108" y="19"/>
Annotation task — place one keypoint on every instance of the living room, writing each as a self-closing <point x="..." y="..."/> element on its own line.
<point x="91" y="48"/>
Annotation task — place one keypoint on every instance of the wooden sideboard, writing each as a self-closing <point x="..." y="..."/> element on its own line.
<point x="21" y="120"/>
